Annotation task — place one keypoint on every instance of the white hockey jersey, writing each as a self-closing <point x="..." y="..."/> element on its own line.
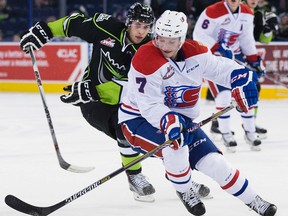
<point x="157" y="85"/>
<point x="217" y="23"/>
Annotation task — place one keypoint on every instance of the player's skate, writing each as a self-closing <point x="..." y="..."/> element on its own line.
<point x="214" y="130"/>
<point x="192" y="202"/>
<point x="229" y="142"/>
<point x="263" y="207"/>
<point x="215" y="127"/>
<point x="252" y="139"/>
<point x="216" y="134"/>
<point x="262" y="132"/>
<point x="142" y="190"/>
<point x="201" y="190"/>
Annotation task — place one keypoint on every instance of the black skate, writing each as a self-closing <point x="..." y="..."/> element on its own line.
<point x="263" y="207"/>
<point x="216" y="134"/>
<point x="192" y="202"/>
<point x="201" y="190"/>
<point x="262" y="132"/>
<point x="215" y="127"/>
<point x="142" y="190"/>
<point x="229" y="142"/>
<point x="252" y="139"/>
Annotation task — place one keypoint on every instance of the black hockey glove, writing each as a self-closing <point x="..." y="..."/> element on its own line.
<point x="36" y="37"/>
<point x="271" y="21"/>
<point x="80" y="93"/>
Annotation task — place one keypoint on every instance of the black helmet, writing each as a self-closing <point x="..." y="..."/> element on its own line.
<point x="141" y="13"/>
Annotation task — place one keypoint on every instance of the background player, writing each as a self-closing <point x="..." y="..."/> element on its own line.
<point x="265" y="24"/>
<point x="226" y="27"/>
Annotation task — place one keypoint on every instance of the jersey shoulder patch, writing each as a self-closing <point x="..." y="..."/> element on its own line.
<point x="107" y="23"/>
<point x="193" y="47"/>
<point x="148" y="59"/>
<point x="216" y="10"/>
<point x="245" y="9"/>
<point x="99" y="17"/>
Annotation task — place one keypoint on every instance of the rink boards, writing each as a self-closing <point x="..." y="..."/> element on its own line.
<point x="62" y="63"/>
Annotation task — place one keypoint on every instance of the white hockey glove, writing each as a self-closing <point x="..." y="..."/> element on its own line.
<point x="80" y="93"/>
<point x="36" y="37"/>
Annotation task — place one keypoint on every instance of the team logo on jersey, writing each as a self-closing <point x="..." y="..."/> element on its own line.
<point x="102" y="17"/>
<point x="170" y="72"/>
<point x="181" y="96"/>
<point x="228" y="36"/>
<point x="226" y="21"/>
<point x="110" y="64"/>
<point x="108" y="42"/>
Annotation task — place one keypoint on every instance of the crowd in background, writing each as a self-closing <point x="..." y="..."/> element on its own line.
<point x="14" y="13"/>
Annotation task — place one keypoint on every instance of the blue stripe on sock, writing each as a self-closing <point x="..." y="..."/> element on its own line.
<point x="224" y="117"/>
<point x="185" y="182"/>
<point x="247" y="117"/>
<point x="242" y="189"/>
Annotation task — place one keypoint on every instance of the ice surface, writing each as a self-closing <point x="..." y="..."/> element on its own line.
<point x="29" y="167"/>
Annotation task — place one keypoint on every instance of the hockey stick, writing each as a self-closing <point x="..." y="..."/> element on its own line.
<point x="275" y="81"/>
<point x="61" y="161"/>
<point x="26" y="208"/>
<point x="266" y="76"/>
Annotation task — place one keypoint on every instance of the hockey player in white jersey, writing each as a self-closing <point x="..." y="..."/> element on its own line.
<point x="265" y="26"/>
<point x="226" y="28"/>
<point x="162" y="100"/>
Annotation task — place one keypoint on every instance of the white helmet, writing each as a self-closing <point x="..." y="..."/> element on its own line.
<point x="172" y="24"/>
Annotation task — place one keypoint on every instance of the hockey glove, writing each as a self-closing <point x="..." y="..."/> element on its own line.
<point x="80" y="93"/>
<point x="174" y="127"/>
<point x="244" y="90"/>
<point x="36" y="37"/>
<point x="224" y="51"/>
<point x="271" y="21"/>
<point x="259" y="67"/>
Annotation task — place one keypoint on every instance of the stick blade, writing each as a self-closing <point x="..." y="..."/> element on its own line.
<point x="22" y="206"/>
<point x="72" y="168"/>
<point x="26" y="208"/>
<point x="77" y="169"/>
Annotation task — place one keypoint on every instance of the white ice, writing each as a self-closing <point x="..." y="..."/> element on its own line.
<point x="29" y="168"/>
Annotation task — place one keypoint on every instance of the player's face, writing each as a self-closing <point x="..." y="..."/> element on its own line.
<point x="168" y="46"/>
<point x="252" y="3"/>
<point x="233" y="4"/>
<point x="138" y="31"/>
